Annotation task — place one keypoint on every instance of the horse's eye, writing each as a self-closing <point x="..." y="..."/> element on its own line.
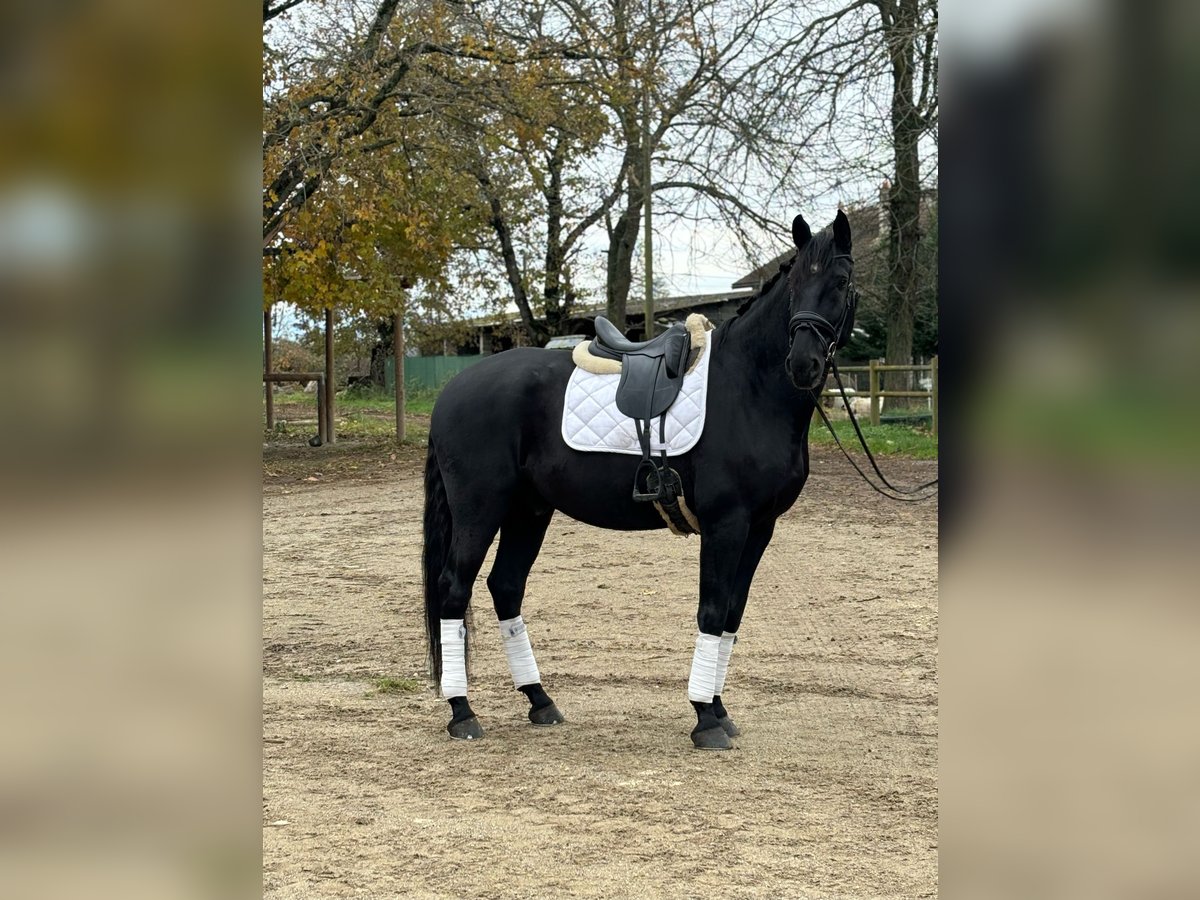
<point x="843" y="282"/>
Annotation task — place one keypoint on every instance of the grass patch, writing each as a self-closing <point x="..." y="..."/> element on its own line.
<point x="418" y="401"/>
<point x="884" y="440"/>
<point x="391" y="685"/>
<point x="364" y="425"/>
<point x="421" y="402"/>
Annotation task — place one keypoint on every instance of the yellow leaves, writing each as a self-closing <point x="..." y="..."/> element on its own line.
<point x="374" y="224"/>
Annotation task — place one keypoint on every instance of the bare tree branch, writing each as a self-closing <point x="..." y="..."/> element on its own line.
<point x="270" y="12"/>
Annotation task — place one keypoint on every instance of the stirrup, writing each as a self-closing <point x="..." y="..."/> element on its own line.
<point x="663" y="483"/>
<point x="650" y="479"/>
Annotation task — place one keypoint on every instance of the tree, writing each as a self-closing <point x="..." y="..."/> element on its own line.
<point x="856" y="54"/>
<point x="701" y="80"/>
<point x="873" y="278"/>
<point x="387" y="218"/>
<point x="549" y="108"/>
<point x="698" y="81"/>
<point x="540" y="125"/>
<point x="317" y="104"/>
<point x="339" y="91"/>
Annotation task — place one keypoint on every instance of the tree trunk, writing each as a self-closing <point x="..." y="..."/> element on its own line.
<point x="554" y="301"/>
<point x="381" y="352"/>
<point x="621" y="246"/>
<point x="623" y="236"/>
<point x="904" y="206"/>
<point x="534" y="330"/>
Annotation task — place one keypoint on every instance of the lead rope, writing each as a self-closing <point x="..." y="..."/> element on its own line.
<point x="862" y="440"/>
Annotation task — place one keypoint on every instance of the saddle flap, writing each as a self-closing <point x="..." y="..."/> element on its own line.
<point x="647" y="389"/>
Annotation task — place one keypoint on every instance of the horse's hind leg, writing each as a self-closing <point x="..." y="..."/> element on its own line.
<point x="468" y="548"/>
<point x="521" y="538"/>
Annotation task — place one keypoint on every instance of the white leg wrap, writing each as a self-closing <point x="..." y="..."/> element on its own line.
<point x="519" y="652"/>
<point x="703" y="682"/>
<point x="454" y="658"/>
<point x="723" y="653"/>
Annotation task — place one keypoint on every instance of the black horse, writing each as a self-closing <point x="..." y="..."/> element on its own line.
<point x="497" y="462"/>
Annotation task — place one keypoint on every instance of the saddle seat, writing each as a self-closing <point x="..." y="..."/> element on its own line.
<point x="651" y="371"/>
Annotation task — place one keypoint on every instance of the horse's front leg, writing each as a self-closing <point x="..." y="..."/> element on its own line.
<point x="721" y="546"/>
<point x="752" y="552"/>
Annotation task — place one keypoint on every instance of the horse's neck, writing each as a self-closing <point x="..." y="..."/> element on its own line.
<point x="754" y="350"/>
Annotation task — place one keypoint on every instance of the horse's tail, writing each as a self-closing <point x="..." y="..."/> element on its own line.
<point x="434" y="558"/>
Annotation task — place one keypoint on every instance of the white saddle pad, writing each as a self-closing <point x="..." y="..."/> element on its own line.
<point x="592" y="423"/>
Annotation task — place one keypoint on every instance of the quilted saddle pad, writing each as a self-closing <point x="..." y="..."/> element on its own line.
<point x="591" y="421"/>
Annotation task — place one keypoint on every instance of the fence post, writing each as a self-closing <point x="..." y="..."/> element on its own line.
<point x="322" y="413"/>
<point x="873" y="386"/>
<point x="398" y="367"/>
<point x="330" y="434"/>
<point x="933" y="388"/>
<point x="267" y="364"/>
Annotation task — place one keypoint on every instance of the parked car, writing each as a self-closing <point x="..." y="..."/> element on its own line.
<point x="566" y="341"/>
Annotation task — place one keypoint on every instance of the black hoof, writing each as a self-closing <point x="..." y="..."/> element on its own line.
<point x="711" y="739"/>
<point x="466" y="730"/>
<point x="546" y="715"/>
<point x="728" y="727"/>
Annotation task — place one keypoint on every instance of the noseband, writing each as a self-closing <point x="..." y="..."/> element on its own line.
<point x="821" y="325"/>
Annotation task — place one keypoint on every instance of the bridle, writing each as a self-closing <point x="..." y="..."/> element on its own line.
<point x="826" y="329"/>
<point x="821" y="325"/>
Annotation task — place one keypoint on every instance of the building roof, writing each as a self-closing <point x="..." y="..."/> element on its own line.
<point x="754" y="280"/>
<point x="633" y="305"/>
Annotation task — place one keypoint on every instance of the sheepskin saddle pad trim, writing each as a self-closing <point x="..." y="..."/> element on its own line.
<point x="698" y="328"/>
<point x="592" y="423"/>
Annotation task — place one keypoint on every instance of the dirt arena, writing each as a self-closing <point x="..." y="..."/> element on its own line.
<point x="831" y="792"/>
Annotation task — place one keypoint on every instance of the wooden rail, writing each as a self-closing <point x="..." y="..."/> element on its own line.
<point x="876" y="393"/>
<point x="324" y="420"/>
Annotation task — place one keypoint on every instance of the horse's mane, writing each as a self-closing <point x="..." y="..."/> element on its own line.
<point x="818" y="250"/>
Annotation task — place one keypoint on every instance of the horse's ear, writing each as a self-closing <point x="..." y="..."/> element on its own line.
<point x="801" y="233"/>
<point x="841" y="232"/>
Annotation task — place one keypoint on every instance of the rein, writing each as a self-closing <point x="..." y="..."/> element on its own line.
<point x="862" y="440"/>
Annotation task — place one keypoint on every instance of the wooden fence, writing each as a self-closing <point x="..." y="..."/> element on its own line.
<point x="876" y="394"/>
<point x="431" y="372"/>
<point x="324" y="412"/>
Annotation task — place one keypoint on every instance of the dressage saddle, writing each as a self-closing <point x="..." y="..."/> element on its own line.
<point x="651" y="377"/>
<point x="651" y="371"/>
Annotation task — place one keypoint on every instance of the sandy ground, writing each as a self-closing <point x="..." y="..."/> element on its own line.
<point x="831" y="792"/>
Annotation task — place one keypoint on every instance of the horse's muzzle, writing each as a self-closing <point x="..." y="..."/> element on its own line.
<point x="806" y="371"/>
<point x="809" y="352"/>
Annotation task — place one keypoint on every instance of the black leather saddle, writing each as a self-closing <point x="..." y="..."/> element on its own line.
<point x="651" y="377"/>
<point x="651" y="371"/>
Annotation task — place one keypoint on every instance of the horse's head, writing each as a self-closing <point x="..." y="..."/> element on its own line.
<point x="822" y="301"/>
